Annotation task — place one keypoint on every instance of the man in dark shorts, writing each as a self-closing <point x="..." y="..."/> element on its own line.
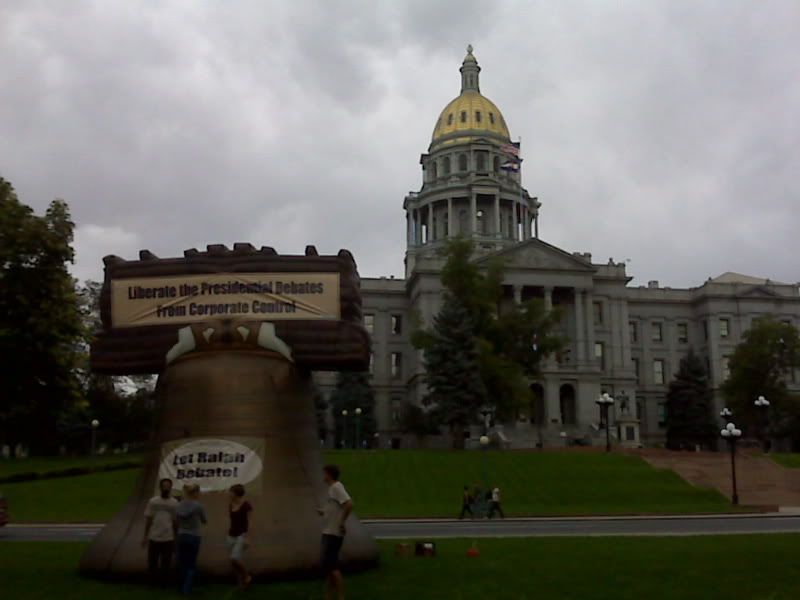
<point x="338" y="506"/>
<point x="159" y="532"/>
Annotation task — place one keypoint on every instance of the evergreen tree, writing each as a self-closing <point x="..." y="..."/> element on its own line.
<point x="40" y="325"/>
<point x="452" y="369"/>
<point x="353" y="390"/>
<point x="690" y="407"/>
<point x="760" y="366"/>
<point x="495" y="352"/>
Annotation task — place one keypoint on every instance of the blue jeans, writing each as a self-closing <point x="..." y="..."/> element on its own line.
<point x="188" y="547"/>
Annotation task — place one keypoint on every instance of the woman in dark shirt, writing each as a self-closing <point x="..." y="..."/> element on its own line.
<point x="239" y="511"/>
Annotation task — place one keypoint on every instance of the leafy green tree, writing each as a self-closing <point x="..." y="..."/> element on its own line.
<point x="690" y="406"/>
<point x="476" y="353"/>
<point x="419" y="422"/>
<point x="40" y="325"/>
<point x="353" y="390"/>
<point x="760" y="366"/>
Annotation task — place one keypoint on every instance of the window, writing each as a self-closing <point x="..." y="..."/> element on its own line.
<point x="633" y="330"/>
<point x="662" y="414"/>
<point x="635" y="362"/>
<point x="434" y="173"/>
<point x="450" y="119"/>
<point x="397" y="365"/>
<point x="462" y="221"/>
<point x="598" y="312"/>
<point x="657" y="332"/>
<point x="496" y="164"/>
<point x="705" y="330"/>
<point x="726" y="367"/>
<point x="640" y="408"/>
<point x="397" y="324"/>
<point x="369" y="323"/>
<point x="463" y="116"/>
<point x="480" y="161"/>
<point x="630" y="433"/>
<point x="477" y="116"/>
<point x="462" y="162"/>
<point x="511" y="227"/>
<point x="446" y="230"/>
<point x="658" y="371"/>
<point x="683" y="333"/>
<point x="491" y="118"/>
<point x="599" y="355"/>
<point x="446" y="165"/>
<point x="372" y="363"/>
<point x="397" y="411"/>
<point x="481" y="222"/>
<point x="724" y="327"/>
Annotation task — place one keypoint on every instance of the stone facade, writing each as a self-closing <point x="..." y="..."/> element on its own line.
<point x="627" y="341"/>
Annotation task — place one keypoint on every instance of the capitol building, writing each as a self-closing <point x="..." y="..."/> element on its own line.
<point x="624" y="340"/>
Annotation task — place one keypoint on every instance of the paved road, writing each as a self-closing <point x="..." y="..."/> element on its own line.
<point x="608" y="526"/>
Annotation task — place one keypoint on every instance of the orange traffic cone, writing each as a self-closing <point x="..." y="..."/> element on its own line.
<point x="473" y="551"/>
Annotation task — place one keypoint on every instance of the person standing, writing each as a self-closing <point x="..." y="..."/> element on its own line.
<point x="239" y="511"/>
<point x="159" y="532"/>
<point x="494" y="504"/>
<point x="338" y="506"/>
<point x="191" y="515"/>
<point x="466" y="504"/>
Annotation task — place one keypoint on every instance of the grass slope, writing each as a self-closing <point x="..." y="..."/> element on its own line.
<point x="689" y="568"/>
<point x="791" y="461"/>
<point x="417" y="483"/>
<point x="47" y="464"/>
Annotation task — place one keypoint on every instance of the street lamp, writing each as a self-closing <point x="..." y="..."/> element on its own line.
<point x="762" y="406"/>
<point x="358" y="428"/>
<point x="563" y="436"/>
<point x="95" y="424"/>
<point x="604" y="401"/>
<point x="484" y="440"/>
<point x="731" y="435"/>
<point x="344" y="428"/>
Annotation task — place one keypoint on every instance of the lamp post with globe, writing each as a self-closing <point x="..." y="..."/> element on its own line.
<point x="94" y="424"/>
<point x="344" y="428"/>
<point x="605" y="401"/>
<point x="731" y="435"/>
<point x="762" y="407"/>
<point x="358" y="428"/>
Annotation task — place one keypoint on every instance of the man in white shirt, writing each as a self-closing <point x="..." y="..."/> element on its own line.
<point x="494" y="505"/>
<point x="338" y="506"/>
<point x="159" y="532"/>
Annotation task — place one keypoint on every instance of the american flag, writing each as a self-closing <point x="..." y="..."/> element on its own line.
<point x="510" y="149"/>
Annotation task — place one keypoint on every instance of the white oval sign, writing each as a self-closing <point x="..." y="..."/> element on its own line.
<point x="213" y="464"/>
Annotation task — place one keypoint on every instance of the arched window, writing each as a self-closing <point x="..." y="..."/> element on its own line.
<point x="450" y="119"/>
<point x="462" y="162"/>
<point x="491" y="118"/>
<point x="463" y="116"/>
<point x="434" y="174"/>
<point x="462" y="222"/>
<point x="480" y="161"/>
<point x="496" y="164"/>
<point x="567" y="404"/>
<point x="477" y="116"/>
<point x="446" y="165"/>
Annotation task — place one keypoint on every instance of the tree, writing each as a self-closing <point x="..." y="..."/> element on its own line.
<point x="40" y="325"/>
<point x="353" y="390"/>
<point x="321" y="410"/>
<point x="690" y="406"/>
<point x="419" y="422"/>
<point x="760" y="365"/>
<point x="477" y="352"/>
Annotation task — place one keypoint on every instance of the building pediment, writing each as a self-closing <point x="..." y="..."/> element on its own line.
<point x="536" y="254"/>
<point x="759" y="291"/>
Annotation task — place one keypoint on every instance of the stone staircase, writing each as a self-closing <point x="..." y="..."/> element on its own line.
<point x="761" y="481"/>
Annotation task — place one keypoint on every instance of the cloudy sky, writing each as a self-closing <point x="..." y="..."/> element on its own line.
<point x="666" y="133"/>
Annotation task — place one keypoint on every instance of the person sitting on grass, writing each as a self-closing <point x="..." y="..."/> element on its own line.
<point x="239" y="511"/>
<point x="191" y="515"/>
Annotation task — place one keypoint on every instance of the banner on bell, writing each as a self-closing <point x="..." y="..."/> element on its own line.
<point x="181" y="299"/>
<point x="215" y="464"/>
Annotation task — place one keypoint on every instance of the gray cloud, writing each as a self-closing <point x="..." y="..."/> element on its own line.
<point x="662" y="132"/>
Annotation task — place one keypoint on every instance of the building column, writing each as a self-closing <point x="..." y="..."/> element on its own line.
<point x="580" y="329"/>
<point x="450" y="225"/>
<point x="627" y="361"/>
<point x="417" y="232"/>
<point x="429" y="237"/>
<point x="590" y="328"/>
<point x="524" y="222"/>
<point x="497" y="233"/>
<point x="409" y="229"/>
<point x="517" y="290"/>
<point x="550" y="362"/>
<point x="473" y="207"/>
<point x="552" y="401"/>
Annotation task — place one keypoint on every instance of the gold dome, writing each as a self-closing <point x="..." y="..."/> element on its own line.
<point x="468" y="116"/>
<point x="471" y="115"/>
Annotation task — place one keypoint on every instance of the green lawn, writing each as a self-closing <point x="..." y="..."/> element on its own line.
<point x="411" y="483"/>
<point x="43" y="465"/>
<point x="792" y="461"/>
<point x="690" y="568"/>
